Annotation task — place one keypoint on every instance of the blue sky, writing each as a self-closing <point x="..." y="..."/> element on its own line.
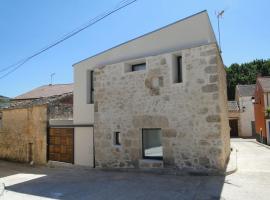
<point x="27" y="26"/>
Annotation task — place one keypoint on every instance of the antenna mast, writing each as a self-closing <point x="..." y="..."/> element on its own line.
<point x="219" y="15"/>
<point x="52" y="74"/>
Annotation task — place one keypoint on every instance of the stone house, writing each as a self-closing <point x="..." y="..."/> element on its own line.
<point x="157" y="101"/>
<point x="37" y="126"/>
<point x="261" y="103"/>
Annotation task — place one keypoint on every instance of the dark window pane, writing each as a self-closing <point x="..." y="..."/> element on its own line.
<point x="179" y="69"/>
<point x="152" y="147"/>
<point x="92" y="87"/>
<point x="117" y="138"/>
<point x="138" y="67"/>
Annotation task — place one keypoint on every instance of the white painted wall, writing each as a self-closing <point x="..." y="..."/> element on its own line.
<point x="246" y="117"/>
<point x="83" y="146"/>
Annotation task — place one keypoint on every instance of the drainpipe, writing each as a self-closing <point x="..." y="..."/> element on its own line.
<point x="30" y="153"/>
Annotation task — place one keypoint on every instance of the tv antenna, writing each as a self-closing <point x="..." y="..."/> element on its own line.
<point x="52" y="75"/>
<point x="219" y="16"/>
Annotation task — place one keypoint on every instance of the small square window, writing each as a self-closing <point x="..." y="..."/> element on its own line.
<point x="117" y="138"/>
<point x="138" y="67"/>
<point x="152" y="147"/>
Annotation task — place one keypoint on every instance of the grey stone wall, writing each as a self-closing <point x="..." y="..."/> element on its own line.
<point x="192" y="114"/>
<point x="59" y="107"/>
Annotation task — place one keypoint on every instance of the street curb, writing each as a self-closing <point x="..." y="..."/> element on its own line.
<point x="232" y="164"/>
<point x="264" y="145"/>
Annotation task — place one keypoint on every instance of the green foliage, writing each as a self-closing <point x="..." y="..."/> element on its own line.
<point x="245" y="73"/>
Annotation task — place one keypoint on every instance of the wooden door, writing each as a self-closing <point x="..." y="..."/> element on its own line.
<point x="61" y="144"/>
<point x="234" y="127"/>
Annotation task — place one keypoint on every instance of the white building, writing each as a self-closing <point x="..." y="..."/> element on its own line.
<point x="243" y="95"/>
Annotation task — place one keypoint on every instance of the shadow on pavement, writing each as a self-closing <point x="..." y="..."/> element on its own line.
<point x="73" y="183"/>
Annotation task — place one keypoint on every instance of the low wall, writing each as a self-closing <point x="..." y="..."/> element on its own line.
<point x="23" y="134"/>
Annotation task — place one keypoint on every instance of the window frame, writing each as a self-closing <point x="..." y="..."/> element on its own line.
<point x="133" y="67"/>
<point x="92" y="87"/>
<point x="143" y="150"/>
<point x="179" y="69"/>
<point x="116" y="138"/>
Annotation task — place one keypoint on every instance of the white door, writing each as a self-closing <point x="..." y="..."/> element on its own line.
<point x="83" y="146"/>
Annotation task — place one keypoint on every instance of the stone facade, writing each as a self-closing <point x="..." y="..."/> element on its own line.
<point x="23" y="134"/>
<point x="193" y="115"/>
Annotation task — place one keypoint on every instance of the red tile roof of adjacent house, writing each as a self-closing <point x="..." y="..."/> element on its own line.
<point x="265" y="83"/>
<point x="47" y="91"/>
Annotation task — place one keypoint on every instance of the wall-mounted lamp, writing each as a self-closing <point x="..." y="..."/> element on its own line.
<point x="253" y="100"/>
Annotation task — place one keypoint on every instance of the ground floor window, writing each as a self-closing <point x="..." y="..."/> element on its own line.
<point x="152" y="147"/>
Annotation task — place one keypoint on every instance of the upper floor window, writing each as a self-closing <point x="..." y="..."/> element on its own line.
<point x="138" y="67"/>
<point x="90" y="87"/>
<point x="177" y="70"/>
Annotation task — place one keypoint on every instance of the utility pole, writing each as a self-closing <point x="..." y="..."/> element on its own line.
<point x="219" y="15"/>
<point x="52" y="74"/>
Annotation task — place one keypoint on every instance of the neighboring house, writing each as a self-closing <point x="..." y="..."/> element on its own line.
<point x="234" y="116"/>
<point x="4" y="102"/>
<point x="37" y="126"/>
<point x="261" y="103"/>
<point x="244" y="95"/>
<point x="157" y="101"/>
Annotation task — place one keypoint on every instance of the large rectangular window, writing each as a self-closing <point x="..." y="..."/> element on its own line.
<point x="138" y="67"/>
<point x="152" y="147"/>
<point x="90" y="87"/>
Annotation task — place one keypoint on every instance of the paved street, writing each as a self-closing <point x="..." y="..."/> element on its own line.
<point x="251" y="181"/>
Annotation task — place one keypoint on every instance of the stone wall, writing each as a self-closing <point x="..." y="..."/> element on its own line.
<point x="193" y="115"/>
<point x="20" y="127"/>
<point x="61" y="108"/>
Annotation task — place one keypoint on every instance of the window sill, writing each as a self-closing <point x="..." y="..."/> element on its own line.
<point x="150" y="163"/>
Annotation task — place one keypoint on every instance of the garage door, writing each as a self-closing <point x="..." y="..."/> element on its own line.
<point x="61" y="144"/>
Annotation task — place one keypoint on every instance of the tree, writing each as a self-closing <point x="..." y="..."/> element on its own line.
<point x="245" y="73"/>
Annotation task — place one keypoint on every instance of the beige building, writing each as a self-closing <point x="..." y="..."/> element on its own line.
<point x="157" y="101"/>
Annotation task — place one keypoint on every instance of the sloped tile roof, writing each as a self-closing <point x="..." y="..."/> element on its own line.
<point x="246" y="90"/>
<point x="47" y="91"/>
<point x="233" y="106"/>
<point x="265" y="83"/>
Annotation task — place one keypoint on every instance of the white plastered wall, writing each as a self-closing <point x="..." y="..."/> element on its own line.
<point x="246" y="116"/>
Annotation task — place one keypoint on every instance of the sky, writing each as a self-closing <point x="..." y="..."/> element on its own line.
<point x="27" y="26"/>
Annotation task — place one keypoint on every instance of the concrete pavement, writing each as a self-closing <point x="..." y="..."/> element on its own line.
<point x="251" y="181"/>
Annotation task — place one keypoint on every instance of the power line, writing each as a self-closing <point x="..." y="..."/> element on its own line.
<point x="17" y="65"/>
